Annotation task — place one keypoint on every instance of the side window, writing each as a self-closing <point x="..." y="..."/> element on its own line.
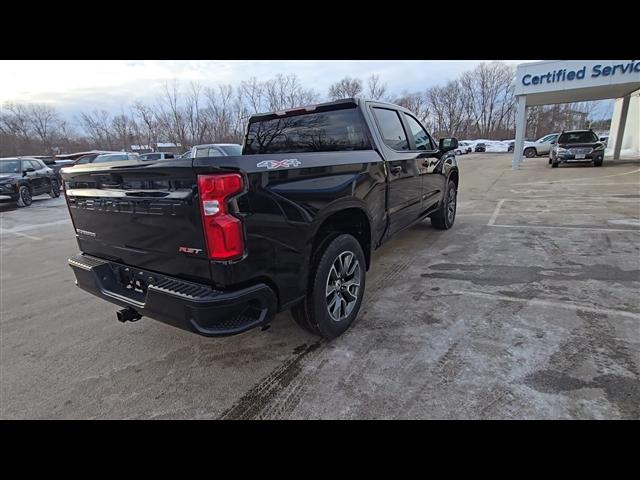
<point x="35" y="164"/>
<point x="418" y="133"/>
<point x="82" y="160"/>
<point x="214" y="152"/>
<point x="168" y="155"/>
<point x="393" y="134"/>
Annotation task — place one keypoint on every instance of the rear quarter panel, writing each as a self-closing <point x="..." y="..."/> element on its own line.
<point x="284" y="207"/>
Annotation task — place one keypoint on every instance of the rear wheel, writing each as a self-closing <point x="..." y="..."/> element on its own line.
<point x="444" y="217"/>
<point x="55" y="189"/>
<point x="336" y="289"/>
<point x="530" y="152"/>
<point x="24" y="196"/>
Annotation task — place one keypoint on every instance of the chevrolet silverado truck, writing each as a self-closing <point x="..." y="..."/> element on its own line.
<point x="219" y="245"/>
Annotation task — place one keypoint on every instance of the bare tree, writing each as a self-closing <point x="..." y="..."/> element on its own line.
<point x="376" y="89"/>
<point x="97" y="126"/>
<point x="490" y="93"/>
<point x="346" y="88"/>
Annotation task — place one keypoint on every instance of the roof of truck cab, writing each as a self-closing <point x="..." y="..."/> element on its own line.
<point x="357" y="101"/>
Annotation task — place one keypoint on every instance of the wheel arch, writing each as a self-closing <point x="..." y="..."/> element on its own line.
<point x="344" y="217"/>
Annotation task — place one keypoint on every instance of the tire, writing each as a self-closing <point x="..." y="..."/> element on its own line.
<point x="331" y="314"/>
<point x="597" y="162"/>
<point x="24" y="196"/>
<point x="55" y="188"/>
<point x="554" y="165"/>
<point x="444" y="217"/>
<point x="530" y="152"/>
<point x="550" y="160"/>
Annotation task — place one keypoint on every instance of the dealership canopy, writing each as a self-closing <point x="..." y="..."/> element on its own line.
<point x="566" y="81"/>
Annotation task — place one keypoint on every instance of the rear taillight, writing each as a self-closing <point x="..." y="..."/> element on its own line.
<point x="223" y="232"/>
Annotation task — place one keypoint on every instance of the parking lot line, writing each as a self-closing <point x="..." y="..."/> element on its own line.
<point x="25" y="228"/>
<point x="543" y="182"/>
<point x="634" y="230"/>
<point x="31" y="237"/>
<point x="493" y="218"/>
<point x="550" y="303"/>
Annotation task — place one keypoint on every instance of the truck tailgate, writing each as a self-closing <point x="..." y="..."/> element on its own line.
<point x="140" y="214"/>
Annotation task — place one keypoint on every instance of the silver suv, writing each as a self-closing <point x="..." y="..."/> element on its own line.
<point x="541" y="146"/>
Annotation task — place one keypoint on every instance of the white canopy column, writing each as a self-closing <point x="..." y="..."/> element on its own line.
<point x="521" y="128"/>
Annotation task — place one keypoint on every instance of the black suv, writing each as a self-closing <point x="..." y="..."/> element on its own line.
<point x="22" y="178"/>
<point x="480" y="147"/>
<point x="577" y="146"/>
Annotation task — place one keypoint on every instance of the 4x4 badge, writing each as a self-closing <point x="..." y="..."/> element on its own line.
<point x="287" y="162"/>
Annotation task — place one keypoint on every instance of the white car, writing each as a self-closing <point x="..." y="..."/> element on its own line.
<point x="542" y="146"/>
<point x="463" y="148"/>
<point x="157" y="156"/>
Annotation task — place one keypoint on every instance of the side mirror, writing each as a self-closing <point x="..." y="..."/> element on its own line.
<point x="447" y="144"/>
<point x="29" y="170"/>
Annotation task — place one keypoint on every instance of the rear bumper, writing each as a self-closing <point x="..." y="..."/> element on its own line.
<point x="186" y="305"/>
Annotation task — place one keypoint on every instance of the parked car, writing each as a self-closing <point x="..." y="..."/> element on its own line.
<point x="116" y="157"/>
<point x="577" y="146"/>
<point x="90" y="157"/>
<point x="216" y="150"/>
<point x="22" y="178"/>
<point x="480" y="147"/>
<point x="222" y="244"/>
<point x="157" y="156"/>
<point x="511" y="146"/>
<point x="542" y="146"/>
<point x="463" y="148"/>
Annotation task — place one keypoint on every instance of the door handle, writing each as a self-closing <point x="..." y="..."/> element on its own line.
<point x="396" y="170"/>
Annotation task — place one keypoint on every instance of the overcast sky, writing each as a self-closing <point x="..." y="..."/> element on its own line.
<point x="83" y="85"/>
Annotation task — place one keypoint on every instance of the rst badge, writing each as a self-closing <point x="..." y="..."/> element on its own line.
<point x="286" y="163"/>
<point x="189" y="250"/>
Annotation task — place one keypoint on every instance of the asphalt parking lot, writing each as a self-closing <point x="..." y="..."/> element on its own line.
<point x="528" y="308"/>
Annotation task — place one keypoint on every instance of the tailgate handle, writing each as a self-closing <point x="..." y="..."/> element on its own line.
<point x="144" y="193"/>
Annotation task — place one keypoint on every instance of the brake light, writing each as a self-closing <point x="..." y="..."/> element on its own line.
<point x="222" y="231"/>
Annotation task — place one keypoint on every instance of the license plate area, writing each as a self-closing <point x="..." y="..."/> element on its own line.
<point x="579" y="156"/>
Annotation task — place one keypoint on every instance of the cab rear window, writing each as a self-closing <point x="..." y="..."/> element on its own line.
<point x="336" y="130"/>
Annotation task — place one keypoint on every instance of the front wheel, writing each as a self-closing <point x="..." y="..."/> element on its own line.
<point x="336" y="289"/>
<point x="597" y="162"/>
<point x="444" y="217"/>
<point x="24" y="196"/>
<point x="55" y="189"/>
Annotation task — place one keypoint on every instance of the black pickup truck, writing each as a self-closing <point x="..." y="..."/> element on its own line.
<point x="218" y="245"/>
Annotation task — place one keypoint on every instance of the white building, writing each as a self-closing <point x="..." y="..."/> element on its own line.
<point x="565" y="81"/>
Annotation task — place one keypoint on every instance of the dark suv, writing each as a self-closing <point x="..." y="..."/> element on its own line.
<point x="22" y="178"/>
<point x="577" y="146"/>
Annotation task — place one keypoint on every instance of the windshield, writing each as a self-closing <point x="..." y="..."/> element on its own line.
<point x="231" y="149"/>
<point x="578" y="137"/>
<point x="546" y="138"/>
<point x="11" y="166"/>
